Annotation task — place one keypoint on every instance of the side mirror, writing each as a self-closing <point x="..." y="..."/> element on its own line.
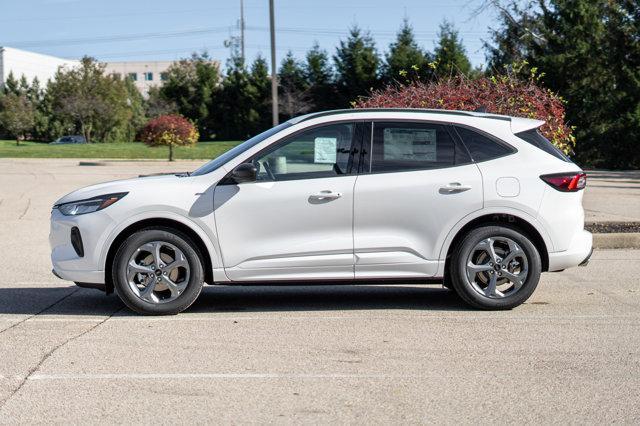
<point x="245" y="172"/>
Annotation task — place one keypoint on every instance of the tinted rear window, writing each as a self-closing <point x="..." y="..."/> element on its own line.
<point x="481" y="147"/>
<point x="535" y="138"/>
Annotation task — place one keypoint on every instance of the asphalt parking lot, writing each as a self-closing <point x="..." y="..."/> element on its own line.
<point x="317" y="354"/>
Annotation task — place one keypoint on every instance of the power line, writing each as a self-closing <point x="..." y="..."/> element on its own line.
<point x="111" y="38"/>
<point x="422" y="35"/>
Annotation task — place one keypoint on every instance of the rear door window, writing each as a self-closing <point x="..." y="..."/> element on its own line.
<point x="405" y="146"/>
<point x="481" y="147"/>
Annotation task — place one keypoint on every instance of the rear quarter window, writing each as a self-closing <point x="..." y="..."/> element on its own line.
<point x="535" y="138"/>
<point x="481" y="147"/>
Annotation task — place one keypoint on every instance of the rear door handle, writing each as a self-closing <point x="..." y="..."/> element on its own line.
<point x="453" y="188"/>
<point x="325" y="196"/>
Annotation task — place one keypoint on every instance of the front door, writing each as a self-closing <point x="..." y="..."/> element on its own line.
<point x="295" y="221"/>
<point x="415" y="185"/>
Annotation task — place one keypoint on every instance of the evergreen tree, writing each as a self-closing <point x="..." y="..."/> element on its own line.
<point x="294" y="98"/>
<point x="236" y="111"/>
<point x="261" y="82"/>
<point x="450" y="54"/>
<point x="405" y="59"/>
<point x="587" y="51"/>
<point x="356" y="61"/>
<point x="11" y="85"/>
<point x="319" y="75"/>
<point x="291" y="73"/>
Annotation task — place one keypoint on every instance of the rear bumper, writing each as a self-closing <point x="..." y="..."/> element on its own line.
<point x="585" y="262"/>
<point x="578" y="253"/>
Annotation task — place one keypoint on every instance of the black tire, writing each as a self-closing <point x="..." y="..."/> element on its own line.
<point x="168" y="235"/>
<point x="466" y="290"/>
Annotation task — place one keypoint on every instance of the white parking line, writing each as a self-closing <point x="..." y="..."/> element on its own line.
<point x="186" y="318"/>
<point x="174" y="376"/>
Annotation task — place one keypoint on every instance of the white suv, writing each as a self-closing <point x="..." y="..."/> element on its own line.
<point x="478" y="202"/>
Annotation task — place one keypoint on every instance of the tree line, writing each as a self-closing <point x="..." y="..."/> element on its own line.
<point x="228" y="104"/>
<point x="585" y="51"/>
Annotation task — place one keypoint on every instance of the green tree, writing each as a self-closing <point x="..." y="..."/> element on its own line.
<point x="405" y="59"/>
<point x="11" y="85"/>
<point x="236" y="109"/>
<point x="587" y="51"/>
<point x="319" y="75"/>
<point x="96" y="104"/>
<point x="17" y="116"/>
<point x="294" y="98"/>
<point x="356" y="61"/>
<point x="192" y="84"/>
<point x="450" y="54"/>
<point x="156" y="104"/>
<point x="261" y="83"/>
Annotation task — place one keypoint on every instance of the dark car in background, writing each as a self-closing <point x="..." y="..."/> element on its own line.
<point x="69" y="140"/>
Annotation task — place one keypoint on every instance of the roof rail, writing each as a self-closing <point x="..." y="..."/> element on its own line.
<point x="306" y="117"/>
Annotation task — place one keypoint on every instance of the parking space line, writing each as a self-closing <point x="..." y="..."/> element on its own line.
<point x="182" y="376"/>
<point x="185" y="318"/>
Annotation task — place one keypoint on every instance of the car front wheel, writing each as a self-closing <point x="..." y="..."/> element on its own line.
<point x="158" y="271"/>
<point x="495" y="267"/>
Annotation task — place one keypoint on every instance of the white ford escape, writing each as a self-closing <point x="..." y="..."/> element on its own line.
<point x="481" y="203"/>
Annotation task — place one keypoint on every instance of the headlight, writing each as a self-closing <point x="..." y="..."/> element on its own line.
<point x="91" y="205"/>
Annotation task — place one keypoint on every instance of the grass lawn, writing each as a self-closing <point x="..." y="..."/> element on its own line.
<point x="130" y="150"/>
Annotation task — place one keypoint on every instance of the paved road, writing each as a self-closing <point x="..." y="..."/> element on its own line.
<point x="612" y="196"/>
<point x="316" y="354"/>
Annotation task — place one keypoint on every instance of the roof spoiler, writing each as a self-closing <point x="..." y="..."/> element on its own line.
<point x="519" y="124"/>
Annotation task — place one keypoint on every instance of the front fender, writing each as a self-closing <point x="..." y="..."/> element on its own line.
<point x="209" y="238"/>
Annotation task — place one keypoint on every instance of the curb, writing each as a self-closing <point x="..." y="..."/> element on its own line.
<point x="617" y="241"/>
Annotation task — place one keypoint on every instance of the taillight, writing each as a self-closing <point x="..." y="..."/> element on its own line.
<point x="566" y="182"/>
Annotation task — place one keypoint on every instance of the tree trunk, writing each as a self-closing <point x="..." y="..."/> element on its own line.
<point x="170" y="152"/>
<point x="17" y="140"/>
<point x="86" y="132"/>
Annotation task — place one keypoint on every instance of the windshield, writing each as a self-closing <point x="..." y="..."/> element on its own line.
<point x="239" y="149"/>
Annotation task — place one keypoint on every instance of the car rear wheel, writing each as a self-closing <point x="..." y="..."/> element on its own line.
<point x="158" y="271"/>
<point x="495" y="267"/>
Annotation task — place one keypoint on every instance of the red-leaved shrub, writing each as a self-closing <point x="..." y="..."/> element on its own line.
<point x="169" y="130"/>
<point x="506" y="95"/>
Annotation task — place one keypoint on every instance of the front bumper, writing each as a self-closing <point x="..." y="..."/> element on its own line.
<point x="578" y="253"/>
<point x="67" y="263"/>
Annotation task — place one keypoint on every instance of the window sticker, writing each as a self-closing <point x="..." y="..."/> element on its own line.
<point x="409" y="144"/>
<point x="325" y="150"/>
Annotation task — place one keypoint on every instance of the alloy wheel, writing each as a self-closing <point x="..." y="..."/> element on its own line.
<point x="497" y="267"/>
<point x="158" y="272"/>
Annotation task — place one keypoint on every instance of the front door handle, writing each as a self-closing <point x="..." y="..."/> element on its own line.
<point x="325" y="196"/>
<point x="453" y="188"/>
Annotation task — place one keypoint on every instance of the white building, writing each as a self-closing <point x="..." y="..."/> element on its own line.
<point x="144" y="74"/>
<point x="31" y="65"/>
<point x="21" y="62"/>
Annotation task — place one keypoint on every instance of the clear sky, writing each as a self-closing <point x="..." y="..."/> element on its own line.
<point x="126" y="30"/>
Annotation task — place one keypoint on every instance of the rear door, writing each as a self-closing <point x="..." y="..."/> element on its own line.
<point x="416" y="182"/>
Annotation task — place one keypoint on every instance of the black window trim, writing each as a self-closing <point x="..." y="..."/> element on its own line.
<point x="499" y="141"/>
<point x="351" y="171"/>
<point x="454" y="137"/>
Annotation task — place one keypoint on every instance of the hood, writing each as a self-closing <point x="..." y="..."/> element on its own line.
<point x="123" y="185"/>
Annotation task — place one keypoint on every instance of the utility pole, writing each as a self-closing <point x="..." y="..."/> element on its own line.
<point x="242" y="30"/>
<point x="274" y="75"/>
